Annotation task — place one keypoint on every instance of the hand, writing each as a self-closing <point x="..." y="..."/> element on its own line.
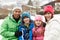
<point x="18" y="33"/>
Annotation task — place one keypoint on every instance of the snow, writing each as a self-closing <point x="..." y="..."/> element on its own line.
<point x="1" y="20"/>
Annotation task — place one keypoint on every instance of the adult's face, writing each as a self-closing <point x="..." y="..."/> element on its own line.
<point x="16" y="13"/>
<point x="48" y="16"/>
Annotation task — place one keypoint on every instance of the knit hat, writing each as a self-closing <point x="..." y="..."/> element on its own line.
<point x="25" y="14"/>
<point x="38" y="17"/>
<point x="17" y="8"/>
<point x="48" y="8"/>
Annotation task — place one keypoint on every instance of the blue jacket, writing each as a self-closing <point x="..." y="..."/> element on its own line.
<point x="26" y="31"/>
<point x="23" y="27"/>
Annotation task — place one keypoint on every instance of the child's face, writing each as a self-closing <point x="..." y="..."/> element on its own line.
<point x="26" y="20"/>
<point x="38" y="22"/>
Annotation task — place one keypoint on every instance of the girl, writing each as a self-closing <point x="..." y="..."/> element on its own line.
<point x="38" y="30"/>
<point x="26" y="27"/>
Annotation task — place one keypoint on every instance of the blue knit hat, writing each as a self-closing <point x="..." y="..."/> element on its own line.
<point x="25" y="14"/>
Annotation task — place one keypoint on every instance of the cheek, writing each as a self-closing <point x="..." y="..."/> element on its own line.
<point x="26" y="20"/>
<point x="40" y="22"/>
<point x="48" y="16"/>
<point x="37" y="23"/>
<point x="16" y="13"/>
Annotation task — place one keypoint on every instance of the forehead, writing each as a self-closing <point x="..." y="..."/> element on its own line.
<point x="26" y="18"/>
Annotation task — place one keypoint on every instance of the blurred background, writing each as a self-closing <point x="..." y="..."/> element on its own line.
<point x="33" y="6"/>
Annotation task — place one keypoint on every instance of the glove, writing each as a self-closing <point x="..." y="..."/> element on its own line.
<point x="18" y="34"/>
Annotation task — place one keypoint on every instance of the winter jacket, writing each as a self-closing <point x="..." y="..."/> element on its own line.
<point x="52" y="30"/>
<point x="25" y="30"/>
<point x="38" y="33"/>
<point x="8" y="28"/>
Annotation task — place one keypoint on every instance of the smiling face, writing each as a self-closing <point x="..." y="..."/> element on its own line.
<point x="48" y="16"/>
<point x="26" y="20"/>
<point x="38" y="22"/>
<point x="16" y="13"/>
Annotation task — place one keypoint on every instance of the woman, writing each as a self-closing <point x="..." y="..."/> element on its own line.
<point x="52" y="30"/>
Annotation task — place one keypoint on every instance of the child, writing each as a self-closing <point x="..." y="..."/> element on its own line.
<point x="26" y="27"/>
<point x="38" y="30"/>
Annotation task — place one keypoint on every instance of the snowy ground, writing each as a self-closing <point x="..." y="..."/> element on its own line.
<point x="1" y="20"/>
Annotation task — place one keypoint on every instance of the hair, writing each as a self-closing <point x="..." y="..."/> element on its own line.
<point x="44" y="24"/>
<point x="23" y="21"/>
<point x="51" y="18"/>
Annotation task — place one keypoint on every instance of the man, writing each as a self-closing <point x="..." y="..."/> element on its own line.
<point x="10" y="24"/>
<point x="52" y="30"/>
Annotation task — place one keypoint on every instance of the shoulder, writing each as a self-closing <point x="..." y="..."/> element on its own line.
<point x="32" y="22"/>
<point x="31" y="25"/>
<point x="33" y="29"/>
<point x="53" y="24"/>
<point x="21" y="26"/>
<point x="6" y="20"/>
<point x="54" y="21"/>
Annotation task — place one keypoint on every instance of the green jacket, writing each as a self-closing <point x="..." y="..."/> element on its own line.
<point x="8" y="28"/>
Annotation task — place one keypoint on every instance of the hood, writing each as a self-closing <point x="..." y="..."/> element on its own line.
<point x="25" y="14"/>
<point x="11" y="11"/>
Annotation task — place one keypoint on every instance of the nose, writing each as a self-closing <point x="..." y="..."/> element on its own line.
<point x="17" y="12"/>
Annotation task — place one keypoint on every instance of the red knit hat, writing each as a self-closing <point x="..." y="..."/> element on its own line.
<point x="48" y="8"/>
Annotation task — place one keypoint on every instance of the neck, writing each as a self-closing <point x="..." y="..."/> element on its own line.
<point x="16" y="19"/>
<point x="39" y="26"/>
<point x="26" y="24"/>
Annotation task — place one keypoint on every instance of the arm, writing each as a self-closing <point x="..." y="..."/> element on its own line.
<point x="20" y="30"/>
<point x="52" y="31"/>
<point x="4" y="30"/>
